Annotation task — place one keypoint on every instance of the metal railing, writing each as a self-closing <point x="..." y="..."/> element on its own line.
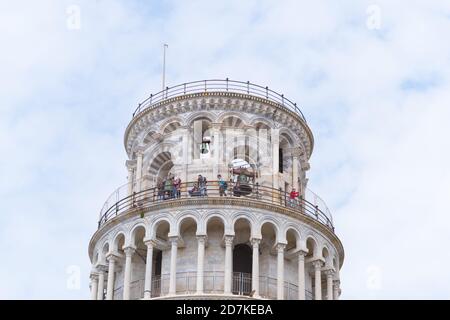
<point x="218" y="85"/>
<point x="213" y="283"/>
<point x="255" y="191"/>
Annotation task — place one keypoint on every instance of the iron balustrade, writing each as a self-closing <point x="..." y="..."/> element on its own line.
<point x="265" y="194"/>
<point x="213" y="283"/>
<point x="218" y="85"/>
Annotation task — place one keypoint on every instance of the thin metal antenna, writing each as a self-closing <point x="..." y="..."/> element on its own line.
<point x="164" y="67"/>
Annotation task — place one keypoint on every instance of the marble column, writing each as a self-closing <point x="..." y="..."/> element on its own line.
<point x="173" y="266"/>
<point x="129" y="252"/>
<point x="140" y="156"/>
<point x="336" y="289"/>
<point x="295" y="164"/>
<point x="255" y="266"/>
<point x="280" y="271"/>
<point x="317" y="279"/>
<point x="215" y="132"/>
<point x="148" y="270"/>
<point x="301" y="275"/>
<point x="94" y="286"/>
<point x="329" y="273"/>
<point x="130" y="164"/>
<point x="275" y="157"/>
<point x="201" y="241"/>
<point x="228" y="275"/>
<point x="111" y="277"/>
<point x="101" y="282"/>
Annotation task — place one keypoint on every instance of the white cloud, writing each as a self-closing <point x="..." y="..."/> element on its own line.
<point x="377" y="101"/>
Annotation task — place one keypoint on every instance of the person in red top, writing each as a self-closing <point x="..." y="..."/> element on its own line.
<point x="293" y="196"/>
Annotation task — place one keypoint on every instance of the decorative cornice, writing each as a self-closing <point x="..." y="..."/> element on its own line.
<point x="218" y="100"/>
<point x="212" y="203"/>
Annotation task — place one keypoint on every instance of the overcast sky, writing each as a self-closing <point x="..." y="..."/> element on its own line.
<point x="372" y="78"/>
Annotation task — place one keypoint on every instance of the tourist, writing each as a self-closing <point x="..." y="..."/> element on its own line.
<point x="194" y="192"/>
<point x="222" y="186"/>
<point x="293" y="197"/>
<point x="202" y="184"/>
<point x="160" y="188"/>
<point x="168" y="188"/>
<point x="177" y="187"/>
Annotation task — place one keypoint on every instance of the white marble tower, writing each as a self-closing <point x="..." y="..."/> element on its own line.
<point x="249" y="239"/>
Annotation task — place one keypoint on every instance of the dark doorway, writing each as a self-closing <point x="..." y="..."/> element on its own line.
<point x="242" y="269"/>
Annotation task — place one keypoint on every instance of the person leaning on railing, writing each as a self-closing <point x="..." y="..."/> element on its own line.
<point x="293" y="197"/>
<point x="177" y="187"/>
<point x="202" y="184"/>
<point x="222" y="186"/>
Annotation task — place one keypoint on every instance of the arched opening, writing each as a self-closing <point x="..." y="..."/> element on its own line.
<point x="171" y="127"/>
<point x="311" y="245"/>
<point x="292" y="239"/>
<point x="202" y="138"/>
<point x="160" y="167"/>
<point x="214" y="268"/>
<point x="117" y="247"/>
<point x="242" y="269"/>
<point x="284" y="158"/>
<point x="138" y="262"/>
<point x="160" y="282"/>
<point x="326" y="257"/>
<point x="242" y="258"/>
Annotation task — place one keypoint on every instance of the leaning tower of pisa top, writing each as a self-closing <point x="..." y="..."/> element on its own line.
<point x="216" y="205"/>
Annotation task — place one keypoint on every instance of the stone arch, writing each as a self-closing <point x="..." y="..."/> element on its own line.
<point x="313" y="246"/>
<point x="292" y="230"/>
<point x="197" y="115"/>
<point x="205" y="219"/>
<point x="326" y="254"/>
<point x="170" y="127"/>
<point x="246" y="216"/>
<point x="255" y="122"/>
<point x="165" y="218"/>
<point x="269" y="233"/>
<point x="236" y="115"/>
<point x="267" y="219"/>
<point x="134" y="229"/>
<point x="119" y="241"/>
<point x="182" y="218"/>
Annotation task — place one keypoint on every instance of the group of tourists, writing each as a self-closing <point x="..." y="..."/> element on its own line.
<point x="169" y="188"/>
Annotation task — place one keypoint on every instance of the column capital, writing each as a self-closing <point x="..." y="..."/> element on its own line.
<point x="255" y="242"/>
<point x="317" y="264"/>
<point x="296" y="152"/>
<point x="93" y="276"/>
<point x="302" y="254"/>
<point x="150" y="243"/>
<point x="174" y="240"/>
<point x="130" y="164"/>
<point x="280" y="247"/>
<point x="140" y="150"/>
<point x="112" y="257"/>
<point x="101" y="268"/>
<point x="329" y="272"/>
<point x="129" y="251"/>
<point x="202" y="238"/>
<point x="228" y="240"/>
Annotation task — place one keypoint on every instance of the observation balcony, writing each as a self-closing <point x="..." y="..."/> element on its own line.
<point x="124" y="201"/>
<point x="214" y="86"/>
<point x="213" y="286"/>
